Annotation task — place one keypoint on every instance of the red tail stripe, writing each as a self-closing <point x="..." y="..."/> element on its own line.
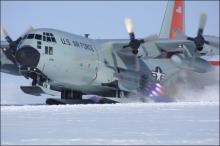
<point x="177" y="17"/>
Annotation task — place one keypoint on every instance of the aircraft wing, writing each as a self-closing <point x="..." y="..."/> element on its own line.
<point x="7" y="66"/>
<point x="179" y="47"/>
<point x="120" y="58"/>
<point x="4" y="44"/>
<point x="126" y="55"/>
<point x="163" y="45"/>
<point x="175" y="45"/>
<point x="213" y="40"/>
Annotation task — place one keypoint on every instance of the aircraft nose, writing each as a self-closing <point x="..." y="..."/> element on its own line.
<point x="27" y="56"/>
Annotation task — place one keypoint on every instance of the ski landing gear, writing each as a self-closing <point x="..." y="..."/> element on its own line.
<point x="53" y="101"/>
<point x="73" y="97"/>
<point x="68" y="97"/>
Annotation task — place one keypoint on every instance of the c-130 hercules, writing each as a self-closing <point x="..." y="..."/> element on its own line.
<point x="76" y="65"/>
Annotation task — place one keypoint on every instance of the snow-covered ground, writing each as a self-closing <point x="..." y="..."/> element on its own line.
<point x="137" y="123"/>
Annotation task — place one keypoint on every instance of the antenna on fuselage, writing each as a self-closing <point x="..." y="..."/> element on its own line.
<point x="86" y="35"/>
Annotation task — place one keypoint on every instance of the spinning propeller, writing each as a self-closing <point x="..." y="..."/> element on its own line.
<point x="200" y="40"/>
<point x="11" y="51"/>
<point x="197" y="63"/>
<point x="134" y="43"/>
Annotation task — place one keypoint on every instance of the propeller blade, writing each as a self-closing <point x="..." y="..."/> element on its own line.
<point x="212" y="41"/>
<point x="30" y="28"/>
<point x="190" y="38"/>
<point x="5" y="34"/>
<point x="150" y="38"/>
<point x="129" y="25"/>
<point x="202" y="22"/>
<point x="134" y="44"/>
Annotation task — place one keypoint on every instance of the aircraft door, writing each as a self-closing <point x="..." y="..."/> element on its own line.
<point x="88" y="71"/>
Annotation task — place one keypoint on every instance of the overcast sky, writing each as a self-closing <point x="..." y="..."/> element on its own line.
<point x="100" y="19"/>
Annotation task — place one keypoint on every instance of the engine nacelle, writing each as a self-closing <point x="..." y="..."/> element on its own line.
<point x="178" y="59"/>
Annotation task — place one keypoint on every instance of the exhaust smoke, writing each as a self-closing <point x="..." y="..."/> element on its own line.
<point x="191" y="86"/>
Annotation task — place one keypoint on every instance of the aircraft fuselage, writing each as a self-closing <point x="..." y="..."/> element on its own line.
<point x="70" y="61"/>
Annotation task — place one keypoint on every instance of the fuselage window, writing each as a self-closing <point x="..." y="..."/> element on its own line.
<point x="44" y="38"/>
<point x="39" y="44"/>
<point x="30" y="36"/>
<point x="50" y="50"/>
<point x="38" y="37"/>
<point x="46" y="50"/>
<point x="39" y="47"/>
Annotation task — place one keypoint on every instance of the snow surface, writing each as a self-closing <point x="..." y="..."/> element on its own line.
<point x="134" y="123"/>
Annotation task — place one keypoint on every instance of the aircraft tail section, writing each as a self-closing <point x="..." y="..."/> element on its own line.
<point x="174" y="18"/>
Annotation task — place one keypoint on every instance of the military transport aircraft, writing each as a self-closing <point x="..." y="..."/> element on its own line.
<point x="112" y="69"/>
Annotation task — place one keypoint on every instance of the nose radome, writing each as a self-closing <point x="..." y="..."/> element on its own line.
<point x="27" y="56"/>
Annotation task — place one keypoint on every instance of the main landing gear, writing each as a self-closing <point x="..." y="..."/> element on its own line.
<point x="68" y="97"/>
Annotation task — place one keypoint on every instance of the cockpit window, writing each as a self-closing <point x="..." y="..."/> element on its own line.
<point x="25" y="36"/>
<point x="30" y="36"/>
<point x="44" y="38"/>
<point x="48" y="37"/>
<point x="38" y="37"/>
<point x="53" y="39"/>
